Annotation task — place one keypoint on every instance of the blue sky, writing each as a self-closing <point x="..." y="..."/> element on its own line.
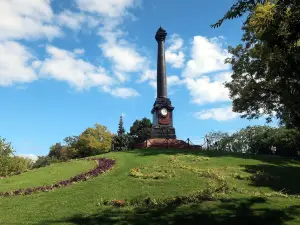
<point x="66" y="65"/>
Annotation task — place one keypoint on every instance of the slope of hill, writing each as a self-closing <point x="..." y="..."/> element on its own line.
<point x="162" y="187"/>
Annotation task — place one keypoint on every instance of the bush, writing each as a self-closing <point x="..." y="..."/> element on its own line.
<point x="258" y="139"/>
<point x="59" y="151"/>
<point x="43" y="161"/>
<point x="141" y="130"/>
<point x="94" y="141"/>
<point x="121" y="143"/>
<point x="14" y="165"/>
<point x="6" y="148"/>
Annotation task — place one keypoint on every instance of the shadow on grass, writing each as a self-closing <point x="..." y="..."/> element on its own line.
<point x="212" y="153"/>
<point x="277" y="177"/>
<point x="232" y="211"/>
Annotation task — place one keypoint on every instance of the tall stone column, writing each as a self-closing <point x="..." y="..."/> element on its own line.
<point x="162" y="111"/>
<point x="161" y="64"/>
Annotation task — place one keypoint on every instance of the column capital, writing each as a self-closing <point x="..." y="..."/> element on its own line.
<point x="161" y="34"/>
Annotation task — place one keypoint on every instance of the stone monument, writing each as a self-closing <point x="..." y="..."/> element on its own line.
<point x="162" y="109"/>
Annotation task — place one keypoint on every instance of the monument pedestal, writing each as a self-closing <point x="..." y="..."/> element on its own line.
<point x="163" y="143"/>
<point x="162" y="112"/>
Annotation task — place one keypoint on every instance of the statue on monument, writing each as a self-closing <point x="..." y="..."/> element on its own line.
<point x="162" y="109"/>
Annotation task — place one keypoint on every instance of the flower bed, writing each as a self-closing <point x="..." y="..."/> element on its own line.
<point x="103" y="165"/>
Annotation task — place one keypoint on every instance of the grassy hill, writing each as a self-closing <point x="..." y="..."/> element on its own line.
<point x="161" y="187"/>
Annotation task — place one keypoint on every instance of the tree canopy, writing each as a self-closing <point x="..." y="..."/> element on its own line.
<point x="266" y="69"/>
<point x="141" y="130"/>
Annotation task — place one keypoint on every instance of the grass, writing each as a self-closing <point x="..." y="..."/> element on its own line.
<point x="46" y="175"/>
<point x="254" y="190"/>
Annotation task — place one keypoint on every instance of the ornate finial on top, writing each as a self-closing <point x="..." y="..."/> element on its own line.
<point x="161" y="34"/>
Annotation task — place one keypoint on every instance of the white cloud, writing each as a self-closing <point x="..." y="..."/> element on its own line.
<point x="15" y="64"/>
<point x="123" y="92"/>
<point x="205" y="90"/>
<point x="148" y="75"/>
<point x="207" y="56"/>
<point x="79" y="51"/>
<point x="123" y="56"/>
<point x="26" y="20"/>
<point x="219" y="114"/>
<point x="30" y="156"/>
<point x="173" y="81"/>
<point x="174" y="55"/>
<point x="70" y="19"/>
<point x="75" y="20"/>
<point x="65" y="66"/>
<point x="110" y="8"/>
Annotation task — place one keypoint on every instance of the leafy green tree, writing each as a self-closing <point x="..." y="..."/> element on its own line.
<point x="121" y="129"/>
<point x="94" y="140"/>
<point x="6" y="148"/>
<point x="265" y="79"/>
<point x="71" y="141"/>
<point x="258" y="140"/>
<point x="141" y="130"/>
<point x="59" y="151"/>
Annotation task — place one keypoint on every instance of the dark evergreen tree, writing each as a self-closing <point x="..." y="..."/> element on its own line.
<point x="121" y="129"/>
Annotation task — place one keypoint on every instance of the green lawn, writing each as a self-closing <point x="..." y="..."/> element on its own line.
<point x="253" y="195"/>
<point x="46" y="175"/>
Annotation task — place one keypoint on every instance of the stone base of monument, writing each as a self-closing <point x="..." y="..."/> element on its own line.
<point x="165" y="143"/>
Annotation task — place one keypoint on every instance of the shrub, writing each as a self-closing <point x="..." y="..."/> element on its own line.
<point x="43" y="161"/>
<point x="94" y="141"/>
<point x="14" y="165"/>
<point x="258" y="139"/>
<point x="60" y="152"/>
<point x="121" y="143"/>
<point x="6" y="148"/>
<point x="141" y="130"/>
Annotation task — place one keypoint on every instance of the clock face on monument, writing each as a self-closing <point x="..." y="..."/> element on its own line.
<point x="164" y="112"/>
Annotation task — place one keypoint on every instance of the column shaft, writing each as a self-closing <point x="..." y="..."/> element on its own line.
<point x="161" y="71"/>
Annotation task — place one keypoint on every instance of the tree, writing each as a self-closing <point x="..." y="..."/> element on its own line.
<point x="94" y="140"/>
<point x="265" y="79"/>
<point x="121" y="141"/>
<point x="59" y="152"/>
<point x="121" y="129"/>
<point x="71" y="141"/>
<point x="6" y="148"/>
<point x="141" y="130"/>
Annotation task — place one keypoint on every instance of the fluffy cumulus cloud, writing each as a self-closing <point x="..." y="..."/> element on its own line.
<point x="16" y="64"/>
<point x="172" y="81"/>
<point x="207" y="56"/>
<point x="123" y="92"/>
<point x="70" y="19"/>
<point x="123" y="57"/>
<point x="27" y="20"/>
<point x="148" y="75"/>
<point x="76" y="20"/>
<point x="174" y="53"/>
<point x="205" y="73"/>
<point x="30" y="20"/>
<point x="206" y="90"/>
<point x="219" y="114"/>
<point x="65" y="65"/>
<point x="110" y="8"/>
